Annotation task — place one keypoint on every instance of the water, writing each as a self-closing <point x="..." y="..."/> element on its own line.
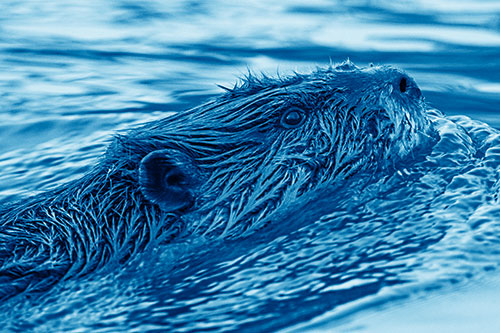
<point x="410" y="246"/>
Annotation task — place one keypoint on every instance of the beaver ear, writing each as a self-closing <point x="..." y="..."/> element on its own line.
<point x="167" y="178"/>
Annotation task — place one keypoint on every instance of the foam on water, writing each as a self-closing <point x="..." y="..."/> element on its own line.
<point x="72" y="73"/>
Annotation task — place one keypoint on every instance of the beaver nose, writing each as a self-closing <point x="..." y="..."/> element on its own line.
<point x="405" y="85"/>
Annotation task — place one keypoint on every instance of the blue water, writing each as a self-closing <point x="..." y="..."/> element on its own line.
<point x="399" y="254"/>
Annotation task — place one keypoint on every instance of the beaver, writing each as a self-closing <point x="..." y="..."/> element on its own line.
<point x="221" y="169"/>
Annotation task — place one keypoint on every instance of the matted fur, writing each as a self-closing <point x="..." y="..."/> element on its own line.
<point x="248" y="167"/>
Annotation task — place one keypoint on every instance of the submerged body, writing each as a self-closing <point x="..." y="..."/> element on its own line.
<point x="223" y="169"/>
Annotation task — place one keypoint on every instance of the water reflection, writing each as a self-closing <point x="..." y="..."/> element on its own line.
<point x="73" y="72"/>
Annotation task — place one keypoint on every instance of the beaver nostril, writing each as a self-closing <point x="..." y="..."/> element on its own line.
<point x="402" y="85"/>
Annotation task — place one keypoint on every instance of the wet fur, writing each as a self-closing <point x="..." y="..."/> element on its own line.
<point x="244" y="168"/>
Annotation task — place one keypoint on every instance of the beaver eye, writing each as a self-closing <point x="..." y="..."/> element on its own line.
<point x="293" y="117"/>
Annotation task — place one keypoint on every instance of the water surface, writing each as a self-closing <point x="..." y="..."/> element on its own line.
<point x="72" y="73"/>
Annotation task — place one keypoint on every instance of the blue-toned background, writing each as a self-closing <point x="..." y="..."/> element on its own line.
<point x="73" y="72"/>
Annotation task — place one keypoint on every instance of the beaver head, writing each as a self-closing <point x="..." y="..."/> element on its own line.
<point x="221" y="169"/>
<point x="228" y="165"/>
